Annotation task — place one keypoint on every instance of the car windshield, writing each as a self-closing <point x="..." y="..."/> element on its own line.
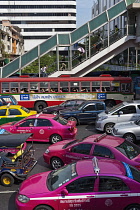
<point x="61" y="120"/>
<point x="132" y="172"/>
<point x="137" y="122"/>
<point x="61" y="176"/>
<point x="72" y="142"/>
<point x="113" y="109"/>
<point x="129" y="149"/>
<point x="79" y="107"/>
<point x="25" y="109"/>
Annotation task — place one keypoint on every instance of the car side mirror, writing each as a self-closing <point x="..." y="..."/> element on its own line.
<point x="120" y="112"/>
<point x="64" y="192"/>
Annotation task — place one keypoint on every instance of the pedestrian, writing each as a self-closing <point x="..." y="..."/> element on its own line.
<point x="43" y="71"/>
<point x="63" y="65"/>
<point x="116" y="31"/>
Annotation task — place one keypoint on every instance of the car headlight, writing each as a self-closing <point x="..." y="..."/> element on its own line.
<point x="23" y="198"/>
<point x="102" y="118"/>
<point x="47" y="151"/>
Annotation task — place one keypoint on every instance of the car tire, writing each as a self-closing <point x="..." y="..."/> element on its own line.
<point x="55" y="138"/>
<point x="108" y="128"/>
<point x="7" y="180"/>
<point x="56" y="163"/>
<point x="130" y="137"/>
<point x="132" y="207"/>
<point x="43" y="207"/>
<point x="40" y="105"/>
<point x="55" y="113"/>
<point x="73" y="119"/>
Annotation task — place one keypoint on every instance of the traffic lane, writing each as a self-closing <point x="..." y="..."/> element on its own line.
<point x="7" y="194"/>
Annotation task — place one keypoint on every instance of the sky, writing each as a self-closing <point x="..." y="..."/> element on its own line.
<point x="84" y="8"/>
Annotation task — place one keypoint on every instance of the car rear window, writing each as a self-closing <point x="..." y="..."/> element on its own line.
<point x="129" y="149"/>
<point x="25" y="109"/>
<point x="61" y="120"/>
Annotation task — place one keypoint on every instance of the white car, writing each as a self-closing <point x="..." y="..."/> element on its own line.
<point x="124" y="112"/>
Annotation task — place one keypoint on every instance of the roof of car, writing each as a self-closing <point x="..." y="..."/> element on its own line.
<point x="10" y="106"/>
<point x="106" y="166"/>
<point x="40" y="115"/>
<point x="104" y="139"/>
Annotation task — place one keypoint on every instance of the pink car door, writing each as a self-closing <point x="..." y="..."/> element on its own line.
<point x="43" y="129"/>
<point x="80" y="195"/>
<point x="78" y="152"/>
<point x="26" y="126"/>
<point x="113" y="194"/>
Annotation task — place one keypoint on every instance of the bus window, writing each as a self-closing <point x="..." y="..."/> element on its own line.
<point x="125" y="87"/>
<point x="74" y="86"/>
<point x="64" y="86"/>
<point x="33" y="87"/>
<point x="44" y="87"/>
<point x="54" y="86"/>
<point x="85" y="86"/>
<point x="14" y="87"/>
<point x="5" y="87"/>
<point x="105" y="86"/>
<point x="24" y="87"/>
<point x="95" y="86"/>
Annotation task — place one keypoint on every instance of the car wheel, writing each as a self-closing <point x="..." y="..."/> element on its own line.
<point x="133" y="207"/>
<point x="109" y="127"/>
<point x="73" y="119"/>
<point x="43" y="207"/>
<point x="40" y="105"/>
<point x="130" y="137"/>
<point x="54" y="113"/>
<point x="56" y="163"/>
<point x="55" y="138"/>
<point x="7" y="180"/>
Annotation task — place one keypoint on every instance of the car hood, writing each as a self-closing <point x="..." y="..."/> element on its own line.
<point x="125" y="125"/>
<point x="35" y="184"/>
<point x="103" y="113"/>
<point x="51" y="107"/>
<point x="7" y="126"/>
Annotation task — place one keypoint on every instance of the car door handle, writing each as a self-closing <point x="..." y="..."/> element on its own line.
<point x="86" y="157"/>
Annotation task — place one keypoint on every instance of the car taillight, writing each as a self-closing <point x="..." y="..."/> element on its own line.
<point x="138" y="167"/>
<point x="71" y="129"/>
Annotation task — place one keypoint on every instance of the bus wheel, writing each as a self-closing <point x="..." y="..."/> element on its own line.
<point x="110" y="103"/>
<point x="7" y="180"/>
<point x="109" y="127"/>
<point x="40" y="105"/>
<point x="43" y="207"/>
<point x="55" y="138"/>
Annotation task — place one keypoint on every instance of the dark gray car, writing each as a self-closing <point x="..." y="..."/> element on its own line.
<point x="69" y="104"/>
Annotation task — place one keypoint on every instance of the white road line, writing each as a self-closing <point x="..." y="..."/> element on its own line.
<point x="2" y="192"/>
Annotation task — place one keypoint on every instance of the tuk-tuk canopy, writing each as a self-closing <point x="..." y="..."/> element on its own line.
<point x="13" y="140"/>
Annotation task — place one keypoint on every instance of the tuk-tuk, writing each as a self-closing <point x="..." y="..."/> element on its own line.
<point x="19" y="163"/>
<point x="12" y="143"/>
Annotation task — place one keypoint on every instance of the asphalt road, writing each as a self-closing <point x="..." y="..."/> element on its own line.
<point x="7" y="195"/>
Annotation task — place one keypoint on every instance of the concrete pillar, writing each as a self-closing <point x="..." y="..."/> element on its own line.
<point x="138" y="24"/>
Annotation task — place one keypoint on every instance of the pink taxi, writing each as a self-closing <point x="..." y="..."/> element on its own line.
<point x="43" y="127"/>
<point x="101" y="146"/>
<point x="84" y="185"/>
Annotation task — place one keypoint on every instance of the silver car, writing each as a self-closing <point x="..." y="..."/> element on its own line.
<point x="128" y="130"/>
<point x="124" y="112"/>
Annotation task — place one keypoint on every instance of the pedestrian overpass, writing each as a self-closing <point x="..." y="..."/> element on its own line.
<point x="112" y="44"/>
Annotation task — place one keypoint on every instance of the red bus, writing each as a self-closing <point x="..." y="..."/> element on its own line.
<point x="38" y="93"/>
